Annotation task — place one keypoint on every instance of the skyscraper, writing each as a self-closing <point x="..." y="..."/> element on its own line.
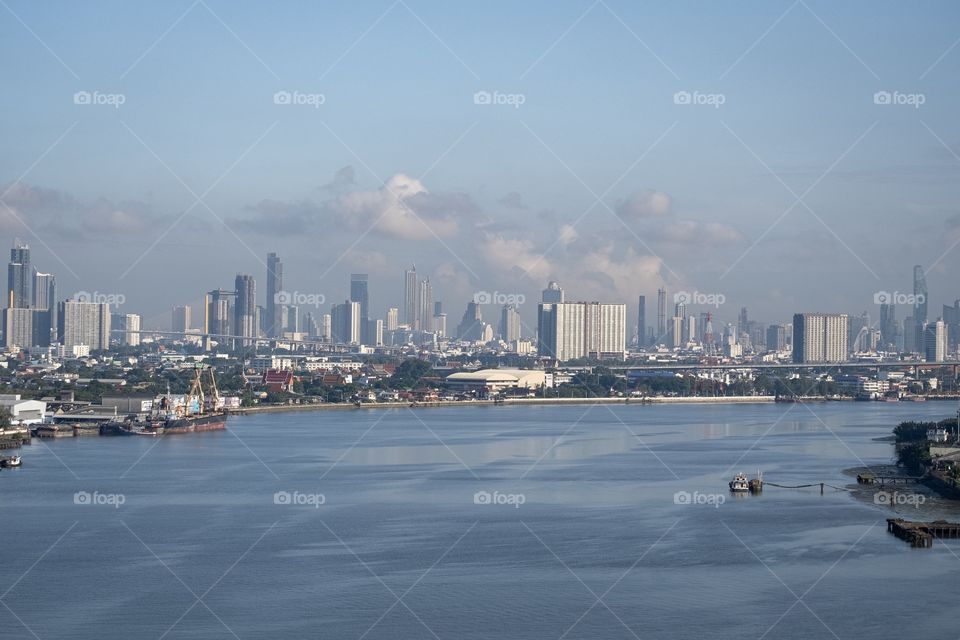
<point x="919" y="296"/>
<point x="509" y="323"/>
<point x="129" y="325"/>
<point x="245" y="310"/>
<point x="425" y="305"/>
<point x="216" y="319"/>
<point x="274" y="326"/>
<point x="19" y="277"/>
<point x="471" y="325"/>
<point x="84" y="323"/>
<point x="360" y="293"/>
<point x="642" y="322"/>
<point x="180" y="319"/>
<point x="935" y="341"/>
<point x="819" y="337"/>
<point x="26" y="327"/>
<point x="572" y="330"/>
<point x="553" y="294"/>
<point x="346" y="322"/>
<point x="661" y="314"/>
<point x="392" y="318"/>
<point x="888" y="325"/>
<point x="45" y="298"/>
<point x="411" y="304"/>
<point x="776" y="337"/>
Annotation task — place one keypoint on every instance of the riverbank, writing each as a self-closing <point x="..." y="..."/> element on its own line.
<point x="512" y="401"/>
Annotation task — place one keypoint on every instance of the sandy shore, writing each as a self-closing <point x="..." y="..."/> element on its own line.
<point x="517" y="401"/>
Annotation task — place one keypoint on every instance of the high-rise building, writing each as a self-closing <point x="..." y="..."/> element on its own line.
<point x="393" y="315"/>
<point x="216" y="319"/>
<point x="84" y="323"/>
<point x="471" y="326"/>
<point x="676" y="332"/>
<point x="180" y="319"/>
<point x="642" y="322"/>
<point x="888" y="325"/>
<point x="411" y="302"/>
<point x="919" y="296"/>
<point x="126" y="328"/>
<point x="26" y="327"/>
<point x="690" y="329"/>
<point x="360" y="293"/>
<point x="19" y="277"/>
<point x="346" y="323"/>
<point x="572" y="330"/>
<point x="661" y="314"/>
<point x="553" y="294"/>
<point x="326" y="330"/>
<point x="509" y="323"/>
<point x="912" y="335"/>
<point x="437" y="308"/>
<point x="776" y="337"/>
<point x="440" y="325"/>
<point x="273" y="326"/>
<point x="44" y="294"/>
<point x="819" y="337"/>
<point x="951" y="317"/>
<point x="245" y="310"/>
<point x="425" y="305"/>
<point x="935" y="341"/>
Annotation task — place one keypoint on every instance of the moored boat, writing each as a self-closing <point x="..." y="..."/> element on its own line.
<point x="739" y="484"/>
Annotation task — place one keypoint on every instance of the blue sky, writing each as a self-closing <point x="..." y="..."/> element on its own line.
<point x="698" y="193"/>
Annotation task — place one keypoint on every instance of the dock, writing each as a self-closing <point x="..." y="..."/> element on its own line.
<point x="869" y="478"/>
<point x="921" y="534"/>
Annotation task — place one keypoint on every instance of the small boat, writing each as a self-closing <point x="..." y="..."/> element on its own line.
<point x="740" y="484"/>
<point x="14" y="461"/>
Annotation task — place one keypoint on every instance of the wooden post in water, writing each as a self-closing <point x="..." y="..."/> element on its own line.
<point x="821" y="488"/>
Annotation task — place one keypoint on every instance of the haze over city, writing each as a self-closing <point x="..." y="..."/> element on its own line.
<point x="584" y="167"/>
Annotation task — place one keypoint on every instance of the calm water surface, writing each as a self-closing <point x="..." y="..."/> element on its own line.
<point x="200" y="547"/>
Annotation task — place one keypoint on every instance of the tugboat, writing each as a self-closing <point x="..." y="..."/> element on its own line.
<point x="740" y="484"/>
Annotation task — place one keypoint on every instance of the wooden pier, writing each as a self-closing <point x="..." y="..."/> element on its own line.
<point x="921" y="534"/>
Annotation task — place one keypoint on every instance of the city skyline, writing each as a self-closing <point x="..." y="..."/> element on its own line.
<point x="699" y="194"/>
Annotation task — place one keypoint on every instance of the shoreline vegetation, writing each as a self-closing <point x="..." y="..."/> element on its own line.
<point x="321" y="406"/>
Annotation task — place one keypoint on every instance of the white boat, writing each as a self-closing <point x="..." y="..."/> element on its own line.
<point x="740" y="483"/>
<point x="12" y="462"/>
